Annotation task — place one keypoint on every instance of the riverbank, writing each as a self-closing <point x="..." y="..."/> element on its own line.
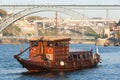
<point x="21" y="41"/>
<point x="13" y="41"/>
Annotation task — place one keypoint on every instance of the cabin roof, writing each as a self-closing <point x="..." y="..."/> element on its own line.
<point x="77" y="50"/>
<point x="51" y="39"/>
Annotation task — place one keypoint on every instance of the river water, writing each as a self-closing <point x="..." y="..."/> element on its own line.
<point x="109" y="69"/>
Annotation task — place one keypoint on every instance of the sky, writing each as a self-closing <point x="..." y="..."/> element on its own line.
<point x="58" y="2"/>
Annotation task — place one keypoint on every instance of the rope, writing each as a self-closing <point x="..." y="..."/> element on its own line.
<point x="15" y="56"/>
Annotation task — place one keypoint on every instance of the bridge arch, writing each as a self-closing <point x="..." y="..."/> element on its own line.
<point x="13" y="18"/>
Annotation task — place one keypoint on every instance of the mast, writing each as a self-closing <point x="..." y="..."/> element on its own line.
<point x="56" y="26"/>
<point x="97" y="51"/>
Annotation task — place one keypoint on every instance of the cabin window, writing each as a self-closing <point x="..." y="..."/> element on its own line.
<point x="75" y="56"/>
<point x="56" y="44"/>
<point x="61" y="44"/>
<point x="79" y="56"/>
<point x="66" y="44"/>
<point x="88" y="55"/>
<point x="50" y="44"/>
<point x="70" y="57"/>
<point x="83" y="55"/>
<point x="91" y="55"/>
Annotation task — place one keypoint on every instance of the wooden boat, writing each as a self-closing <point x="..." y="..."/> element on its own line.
<point x="54" y="54"/>
<point x="117" y="44"/>
<point x="106" y="44"/>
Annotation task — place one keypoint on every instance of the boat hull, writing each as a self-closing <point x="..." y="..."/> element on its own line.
<point x="38" y="66"/>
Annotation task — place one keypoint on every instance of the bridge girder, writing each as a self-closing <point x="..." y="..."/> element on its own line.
<point x="13" y="18"/>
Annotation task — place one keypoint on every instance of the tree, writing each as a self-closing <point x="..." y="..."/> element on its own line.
<point x="32" y="18"/>
<point x="12" y="30"/>
<point x="3" y="13"/>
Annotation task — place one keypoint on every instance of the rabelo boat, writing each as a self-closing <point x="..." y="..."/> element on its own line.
<point x="54" y="54"/>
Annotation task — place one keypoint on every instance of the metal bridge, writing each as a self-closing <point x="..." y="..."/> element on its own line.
<point x="103" y="7"/>
<point x="41" y="8"/>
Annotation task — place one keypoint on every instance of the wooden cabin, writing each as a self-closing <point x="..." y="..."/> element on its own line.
<point x="50" y="48"/>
